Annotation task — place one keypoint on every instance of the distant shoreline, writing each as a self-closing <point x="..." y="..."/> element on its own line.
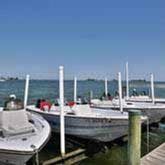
<point x="131" y="81"/>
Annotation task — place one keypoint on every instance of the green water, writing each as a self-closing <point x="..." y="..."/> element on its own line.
<point x="117" y="154"/>
<point x="114" y="154"/>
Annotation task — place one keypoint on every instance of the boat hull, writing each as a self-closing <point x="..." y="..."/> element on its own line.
<point x="101" y="129"/>
<point x="14" y="158"/>
<point x="153" y="113"/>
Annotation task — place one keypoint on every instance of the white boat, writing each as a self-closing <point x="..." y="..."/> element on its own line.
<point x="115" y="104"/>
<point x="141" y="98"/>
<point x="81" y="120"/>
<point x="86" y="122"/>
<point x="154" y="111"/>
<point x="22" y="134"/>
<point x="2" y="80"/>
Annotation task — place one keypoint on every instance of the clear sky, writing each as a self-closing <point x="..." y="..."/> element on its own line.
<point x="89" y="37"/>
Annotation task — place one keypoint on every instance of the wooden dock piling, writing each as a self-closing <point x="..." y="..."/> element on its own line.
<point x="134" y="140"/>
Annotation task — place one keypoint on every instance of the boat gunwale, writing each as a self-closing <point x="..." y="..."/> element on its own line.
<point x="36" y="110"/>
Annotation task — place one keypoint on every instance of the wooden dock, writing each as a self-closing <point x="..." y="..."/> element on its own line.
<point x="155" y="157"/>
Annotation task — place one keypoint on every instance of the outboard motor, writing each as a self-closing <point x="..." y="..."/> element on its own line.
<point x="38" y="103"/>
<point x="13" y="103"/>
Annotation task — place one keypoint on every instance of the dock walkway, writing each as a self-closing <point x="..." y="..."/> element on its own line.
<point x="155" y="157"/>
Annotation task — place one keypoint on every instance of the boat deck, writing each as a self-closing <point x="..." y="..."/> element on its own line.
<point x="155" y="157"/>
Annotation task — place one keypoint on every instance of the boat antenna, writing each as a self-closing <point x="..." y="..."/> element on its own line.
<point x="62" y="121"/>
<point x="26" y="91"/>
<point x="120" y="92"/>
<point x="75" y="89"/>
<point x="127" y="80"/>
<point x="152" y="89"/>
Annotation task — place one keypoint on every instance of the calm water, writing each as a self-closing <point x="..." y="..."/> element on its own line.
<point x="48" y="89"/>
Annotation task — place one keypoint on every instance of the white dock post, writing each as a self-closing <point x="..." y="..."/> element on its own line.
<point x="106" y="87"/>
<point x="75" y="89"/>
<point x="120" y="92"/>
<point x="26" y="90"/>
<point x="127" y="81"/>
<point x="152" y="89"/>
<point x="91" y="94"/>
<point x="62" y="121"/>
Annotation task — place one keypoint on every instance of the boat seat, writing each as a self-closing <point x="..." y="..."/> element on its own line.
<point x="15" y="122"/>
<point x="82" y="110"/>
<point x="95" y="101"/>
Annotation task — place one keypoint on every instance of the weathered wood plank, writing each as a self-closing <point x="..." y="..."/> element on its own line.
<point x="74" y="156"/>
<point x="155" y="157"/>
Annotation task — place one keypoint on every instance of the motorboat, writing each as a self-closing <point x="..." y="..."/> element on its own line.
<point x="145" y="98"/>
<point x="80" y="119"/>
<point x="154" y="111"/>
<point x="85" y="122"/>
<point x="22" y="134"/>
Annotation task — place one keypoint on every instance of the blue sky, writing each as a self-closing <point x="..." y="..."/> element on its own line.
<point x="89" y="37"/>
